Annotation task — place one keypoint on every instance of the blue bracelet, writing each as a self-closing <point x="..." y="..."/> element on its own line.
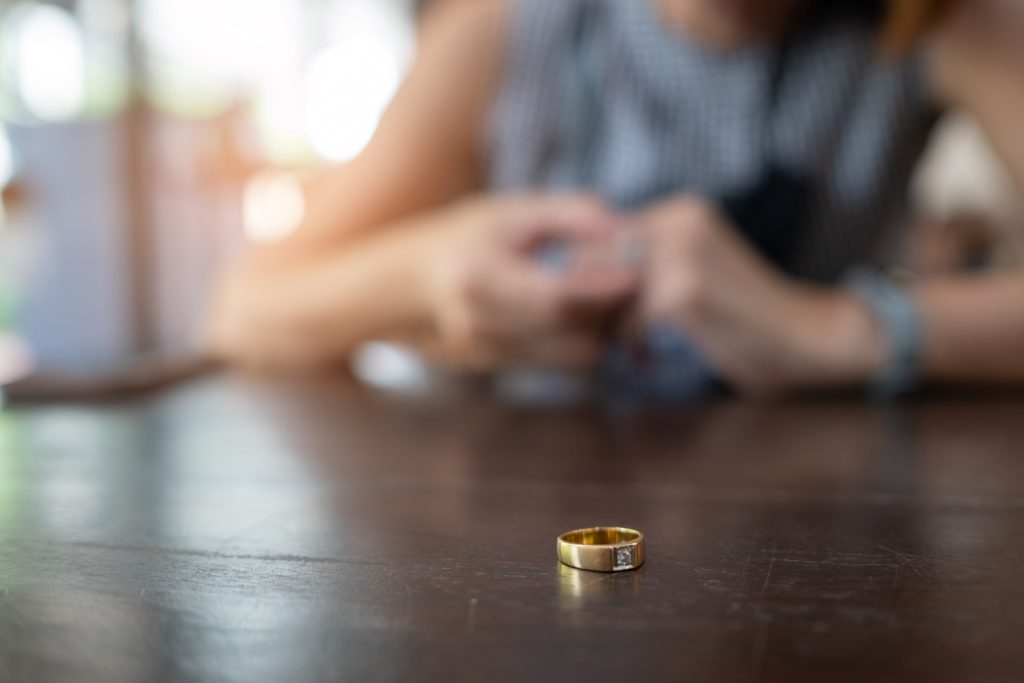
<point x="901" y="323"/>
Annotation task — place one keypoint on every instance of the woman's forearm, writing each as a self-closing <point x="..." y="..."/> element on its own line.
<point x="974" y="329"/>
<point x="310" y="310"/>
<point x="974" y="326"/>
<point x="973" y="332"/>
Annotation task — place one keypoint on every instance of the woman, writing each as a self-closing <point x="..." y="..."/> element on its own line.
<point x="695" y="177"/>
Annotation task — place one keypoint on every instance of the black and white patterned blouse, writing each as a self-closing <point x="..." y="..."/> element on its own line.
<point x="600" y="94"/>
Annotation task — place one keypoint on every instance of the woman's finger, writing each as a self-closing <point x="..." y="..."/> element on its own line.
<point x="533" y="222"/>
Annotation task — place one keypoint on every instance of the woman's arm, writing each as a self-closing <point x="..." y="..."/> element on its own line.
<point x="768" y="333"/>
<point x="464" y="276"/>
<point x="296" y="310"/>
<point x="974" y="329"/>
<point x="974" y="326"/>
<point x="353" y="269"/>
<point x="400" y="244"/>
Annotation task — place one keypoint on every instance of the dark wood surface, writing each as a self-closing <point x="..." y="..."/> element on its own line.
<point x="229" y="530"/>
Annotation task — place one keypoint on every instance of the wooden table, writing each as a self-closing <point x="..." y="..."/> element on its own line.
<point x="233" y="531"/>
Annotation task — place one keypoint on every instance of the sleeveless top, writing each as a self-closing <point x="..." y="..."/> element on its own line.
<point x="600" y="95"/>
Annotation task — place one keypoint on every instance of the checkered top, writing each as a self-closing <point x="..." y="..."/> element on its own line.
<point x="675" y="116"/>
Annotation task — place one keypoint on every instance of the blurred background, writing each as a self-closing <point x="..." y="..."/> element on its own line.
<point x="145" y="142"/>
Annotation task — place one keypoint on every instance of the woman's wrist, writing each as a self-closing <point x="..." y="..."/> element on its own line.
<point x="860" y="340"/>
<point x="432" y="268"/>
<point x="440" y="279"/>
<point x="842" y="340"/>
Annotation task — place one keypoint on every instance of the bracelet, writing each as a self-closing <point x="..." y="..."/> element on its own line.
<point x="900" y="320"/>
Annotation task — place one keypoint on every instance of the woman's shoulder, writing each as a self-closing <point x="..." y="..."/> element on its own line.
<point x="461" y="55"/>
<point x="427" y="142"/>
<point x="465" y="24"/>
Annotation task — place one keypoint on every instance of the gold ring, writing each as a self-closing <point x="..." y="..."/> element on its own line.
<point x="602" y="549"/>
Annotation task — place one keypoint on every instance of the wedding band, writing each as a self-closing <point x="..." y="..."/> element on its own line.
<point x="602" y="549"/>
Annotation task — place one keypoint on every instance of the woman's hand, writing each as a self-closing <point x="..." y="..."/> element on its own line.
<point x="495" y="303"/>
<point x="762" y="331"/>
